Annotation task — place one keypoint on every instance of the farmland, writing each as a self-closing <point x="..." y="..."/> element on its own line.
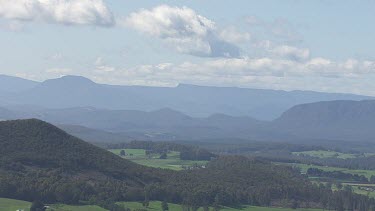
<point x="156" y="206"/>
<point x="326" y="154"/>
<point x="360" y="188"/>
<point x="172" y="161"/>
<point x="304" y="167"/>
<point x="12" y="205"/>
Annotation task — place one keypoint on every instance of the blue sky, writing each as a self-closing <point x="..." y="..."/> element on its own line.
<point x="305" y="45"/>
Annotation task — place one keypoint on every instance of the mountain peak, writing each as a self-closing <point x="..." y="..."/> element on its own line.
<point x="70" y="81"/>
<point x="75" y="78"/>
<point x="169" y="112"/>
<point x="15" y="84"/>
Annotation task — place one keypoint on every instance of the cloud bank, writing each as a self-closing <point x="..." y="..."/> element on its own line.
<point x="291" y="52"/>
<point x="67" y="12"/>
<point x="263" y="72"/>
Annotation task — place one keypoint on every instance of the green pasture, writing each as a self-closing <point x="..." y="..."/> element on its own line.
<point x="13" y="205"/>
<point x="156" y="206"/>
<point x="172" y="162"/>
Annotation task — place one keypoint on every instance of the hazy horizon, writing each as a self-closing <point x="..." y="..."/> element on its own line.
<point x="182" y="84"/>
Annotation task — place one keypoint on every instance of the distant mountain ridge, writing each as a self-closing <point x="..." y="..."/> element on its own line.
<point x="15" y="84"/>
<point x="196" y="101"/>
<point x="341" y="120"/>
<point x="108" y="113"/>
<point x="100" y="125"/>
<point x="330" y="120"/>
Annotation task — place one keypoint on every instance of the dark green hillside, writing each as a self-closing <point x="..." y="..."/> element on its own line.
<point x="34" y="141"/>
<point x="41" y="162"/>
<point x="50" y="164"/>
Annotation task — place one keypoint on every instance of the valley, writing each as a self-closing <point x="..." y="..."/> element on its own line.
<point x="188" y="105"/>
<point x="45" y="156"/>
<point x="129" y="158"/>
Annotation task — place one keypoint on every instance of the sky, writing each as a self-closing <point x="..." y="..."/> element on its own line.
<point x="290" y="45"/>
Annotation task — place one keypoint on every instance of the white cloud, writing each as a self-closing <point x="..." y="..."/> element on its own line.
<point x="99" y="61"/>
<point x="68" y="12"/>
<point x="264" y="72"/>
<point x="319" y="74"/>
<point x="105" y="68"/>
<point x="231" y="34"/>
<point x="183" y="29"/>
<point x="53" y="73"/>
<point x="60" y="71"/>
<point x="101" y="66"/>
<point x="55" y="57"/>
<point x="291" y="52"/>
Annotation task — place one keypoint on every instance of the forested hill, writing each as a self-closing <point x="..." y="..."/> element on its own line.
<point x="43" y="145"/>
<point x="335" y="120"/>
<point x="40" y="161"/>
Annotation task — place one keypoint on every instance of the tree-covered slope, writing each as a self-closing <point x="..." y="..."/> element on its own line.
<point x="337" y="120"/>
<point x="51" y="164"/>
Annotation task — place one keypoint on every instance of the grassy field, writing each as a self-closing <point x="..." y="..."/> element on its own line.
<point x="326" y="154"/>
<point x="136" y="153"/>
<point x="62" y="207"/>
<point x="156" y="206"/>
<point x="172" y="162"/>
<point x="13" y="205"/>
<point x="363" y="192"/>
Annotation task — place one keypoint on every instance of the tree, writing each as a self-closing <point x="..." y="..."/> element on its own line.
<point x="339" y="185"/>
<point x="372" y="179"/>
<point x="348" y="188"/>
<point x="37" y="206"/>
<point x="216" y="204"/>
<point x="164" y="206"/>
<point x="329" y="185"/>
<point x="163" y="155"/>
<point x="146" y="201"/>
<point x="122" y="153"/>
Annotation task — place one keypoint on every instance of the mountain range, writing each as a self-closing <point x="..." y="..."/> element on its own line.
<point x="100" y="125"/>
<point x="327" y="120"/>
<point x="196" y="101"/>
<point x="68" y="103"/>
